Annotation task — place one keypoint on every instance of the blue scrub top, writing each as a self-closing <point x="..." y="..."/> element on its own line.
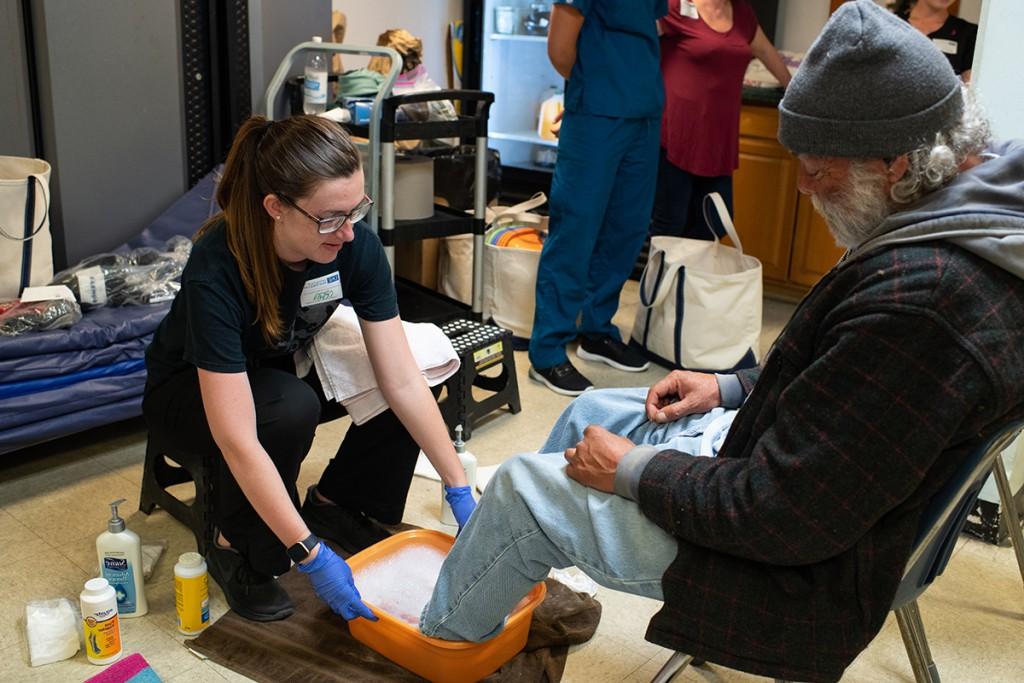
<point x="617" y="70"/>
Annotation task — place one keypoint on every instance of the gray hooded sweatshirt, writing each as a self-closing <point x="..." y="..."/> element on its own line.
<point x="981" y="210"/>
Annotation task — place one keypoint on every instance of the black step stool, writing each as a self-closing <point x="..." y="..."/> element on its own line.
<point x="167" y="466"/>
<point x="479" y="347"/>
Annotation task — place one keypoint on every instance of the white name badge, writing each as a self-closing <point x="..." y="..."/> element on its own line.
<point x="321" y="290"/>
<point x="945" y="46"/>
<point x="688" y="9"/>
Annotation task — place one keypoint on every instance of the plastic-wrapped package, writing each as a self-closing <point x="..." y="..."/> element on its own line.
<point x="139" y="276"/>
<point x="417" y="80"/>
<point x="52" y="630"/>
<point x="18" y="317"/>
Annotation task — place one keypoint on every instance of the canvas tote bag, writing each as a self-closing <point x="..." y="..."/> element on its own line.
<point x="455" y="269"/>
<point x="510" y="272"/>
<point x="26" y="254"/>
<point x="700" y="301"/>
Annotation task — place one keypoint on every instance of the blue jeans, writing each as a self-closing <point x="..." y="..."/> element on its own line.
<point x="601" y="197"/>
<point x="533" y="517"/>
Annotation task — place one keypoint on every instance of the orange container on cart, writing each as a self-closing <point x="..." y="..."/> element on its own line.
<point x="442" y="661"/>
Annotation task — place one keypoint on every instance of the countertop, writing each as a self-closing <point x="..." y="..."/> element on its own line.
<point x="766" y="97"/>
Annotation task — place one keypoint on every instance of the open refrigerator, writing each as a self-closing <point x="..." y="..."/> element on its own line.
<point x="506" y="53"/>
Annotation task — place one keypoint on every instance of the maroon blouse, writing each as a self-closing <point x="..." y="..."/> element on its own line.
<point x="703" y="71"/>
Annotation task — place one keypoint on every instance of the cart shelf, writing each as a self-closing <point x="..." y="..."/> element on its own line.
<point x="444" y="223"/>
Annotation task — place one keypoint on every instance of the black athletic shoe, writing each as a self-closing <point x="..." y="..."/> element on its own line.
<point x="562" y="379"/>
<point x="251" y="594"/>
<point x="350" y="529"/>
<point x="612" y="352"/>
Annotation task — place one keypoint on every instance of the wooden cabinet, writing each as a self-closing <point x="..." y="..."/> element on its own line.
<point x="764" y="201"/>
<point x="776" y="223"/>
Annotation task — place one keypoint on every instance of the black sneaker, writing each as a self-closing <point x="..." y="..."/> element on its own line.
<point x="350" y="529"/>
<point x="612" y="352"/>
<point x="562" y="379"/>
<point x="253" y="595"/>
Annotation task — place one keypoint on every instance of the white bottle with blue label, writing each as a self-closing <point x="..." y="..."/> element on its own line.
<point x="120" y="554"/>
<point x="314" y="83"/>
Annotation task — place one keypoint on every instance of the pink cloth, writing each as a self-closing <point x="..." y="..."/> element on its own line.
<point x="132" y="669"/>
<point x="703" y="71"/>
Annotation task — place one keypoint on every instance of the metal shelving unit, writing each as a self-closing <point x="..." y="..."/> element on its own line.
<point x="444" y="222"/>
<point x="382" y="133"/>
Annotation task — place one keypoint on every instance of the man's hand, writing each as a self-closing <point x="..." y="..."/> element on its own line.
<point x="682" y="393"/>
<point x="594" y="460"/>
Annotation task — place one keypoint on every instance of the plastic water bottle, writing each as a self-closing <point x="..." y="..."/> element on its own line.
<point x="314" y="85"/>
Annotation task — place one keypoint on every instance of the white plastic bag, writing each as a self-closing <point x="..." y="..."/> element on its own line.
<point x="52" y="629"/>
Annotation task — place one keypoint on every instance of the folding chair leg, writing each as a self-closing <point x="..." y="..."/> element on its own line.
<point x="1009" y="510"/>
<point x="933" y="670"/>
<point x="910" y="643"/>
<point x="912" y="629"/>
<point x="675" y="664"/>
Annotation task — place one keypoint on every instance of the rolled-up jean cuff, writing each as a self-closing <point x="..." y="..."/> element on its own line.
<point x="630" y="468"/>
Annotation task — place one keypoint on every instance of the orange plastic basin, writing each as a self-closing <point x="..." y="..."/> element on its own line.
<point x="443" y="661"/>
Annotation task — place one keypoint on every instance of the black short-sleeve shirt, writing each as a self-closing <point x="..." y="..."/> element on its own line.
<point x="956" y="39"/>
<point x="212" y="324"/>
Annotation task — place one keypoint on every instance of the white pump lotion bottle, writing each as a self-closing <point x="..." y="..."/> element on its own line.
<point x="120" y="554"/>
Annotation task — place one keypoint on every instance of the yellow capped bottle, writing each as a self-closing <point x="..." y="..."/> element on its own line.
<point x="191" y="593"/>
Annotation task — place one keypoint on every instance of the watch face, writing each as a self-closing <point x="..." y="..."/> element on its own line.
<point x="300" y="550"/>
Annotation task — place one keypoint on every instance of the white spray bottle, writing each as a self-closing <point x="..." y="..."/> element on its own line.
<point x="120" y="554"/>
<point x="468" y="461"/>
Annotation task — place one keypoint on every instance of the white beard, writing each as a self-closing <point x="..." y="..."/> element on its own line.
<point x="855" y="212"/>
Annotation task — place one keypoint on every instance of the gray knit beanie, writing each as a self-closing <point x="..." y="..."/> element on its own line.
<point x="871" y="86"/>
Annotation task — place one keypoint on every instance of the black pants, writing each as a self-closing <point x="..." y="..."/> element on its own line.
<point x="371" y="471"/>
<point x="679" y="201"/>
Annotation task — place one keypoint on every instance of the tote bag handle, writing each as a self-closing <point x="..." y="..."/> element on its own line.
<point x="512" y="212"/>
<point x="664" y="276"/>
<point x="724" y="217"/>
<point x="30" y="207"/>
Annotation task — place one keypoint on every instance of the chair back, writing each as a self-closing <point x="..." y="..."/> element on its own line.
<point x="946" y="513"/>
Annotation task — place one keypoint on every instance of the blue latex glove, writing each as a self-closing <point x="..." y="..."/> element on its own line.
<point x="461" y="500"/>
<point x="332" y="581"/>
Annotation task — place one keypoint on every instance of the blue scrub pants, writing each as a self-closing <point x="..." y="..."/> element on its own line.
<point x="601" y="198"/>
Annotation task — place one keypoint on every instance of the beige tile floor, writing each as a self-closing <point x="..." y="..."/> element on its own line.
<point x="53" y="503"/>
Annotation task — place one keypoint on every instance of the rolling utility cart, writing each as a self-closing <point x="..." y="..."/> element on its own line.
<point x="480" y="347"/>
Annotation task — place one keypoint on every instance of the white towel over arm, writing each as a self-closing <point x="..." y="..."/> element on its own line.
<point x="343" y="365"/>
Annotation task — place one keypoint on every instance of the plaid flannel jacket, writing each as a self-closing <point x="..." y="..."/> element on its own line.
<point x="793" y="540"/>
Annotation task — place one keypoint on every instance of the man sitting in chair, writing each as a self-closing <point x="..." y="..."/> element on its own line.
<point x="781" y="555"/>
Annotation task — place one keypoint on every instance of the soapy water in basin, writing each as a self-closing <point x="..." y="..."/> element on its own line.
<point x="401" y="584"/>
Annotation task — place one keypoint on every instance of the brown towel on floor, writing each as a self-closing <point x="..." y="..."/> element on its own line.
<point x="314" y="645"/>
